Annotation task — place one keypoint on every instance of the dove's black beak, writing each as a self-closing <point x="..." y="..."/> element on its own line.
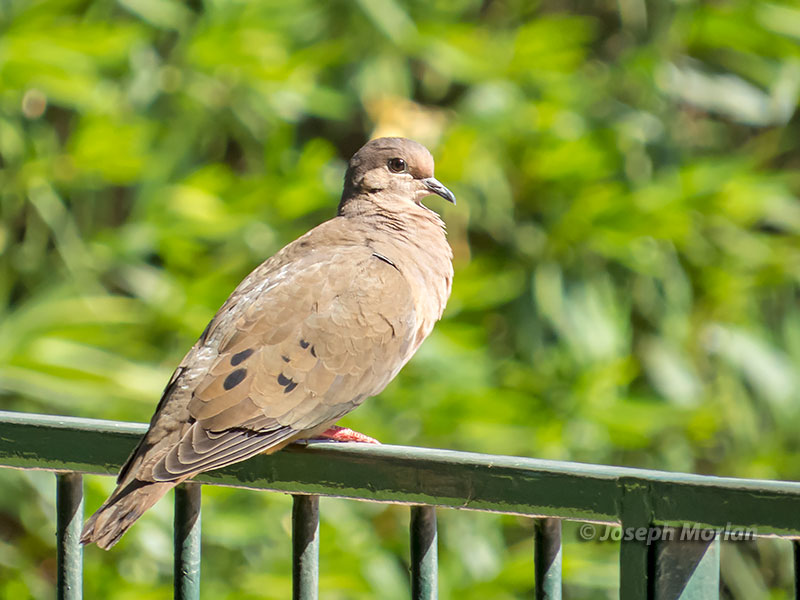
<point x="434" y="186"/>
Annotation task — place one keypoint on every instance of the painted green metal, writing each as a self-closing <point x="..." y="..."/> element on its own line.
<point x="305" y="547"/>
<point x="686" y="569"/>
<point x="425" y="476"/>
<point x="636" y="514"/>
<point x="637" y="499"/>
<point x="187" y="529"/>
<point x="69" y="521"/>
<point x="424" y="553"/>
<point x="547" y="558"/>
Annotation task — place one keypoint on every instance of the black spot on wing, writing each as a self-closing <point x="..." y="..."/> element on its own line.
<point x="304" y="344"/>
<point x="313" y="352"/>
<point x="241" y="356"/>
<point x="284" y="358"/>
<point x="234" y="379"/>
<point x="287" y="383"/>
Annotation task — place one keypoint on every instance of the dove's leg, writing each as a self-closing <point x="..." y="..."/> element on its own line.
<point x="343" y="434"/>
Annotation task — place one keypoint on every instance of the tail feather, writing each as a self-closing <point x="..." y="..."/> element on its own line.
<point x="120" y="511"/>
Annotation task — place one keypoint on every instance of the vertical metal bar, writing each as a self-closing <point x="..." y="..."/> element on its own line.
<point x="424" y="553"/>
<point x="635" y="555"/>
<point x="686" y="567"/>
<point x="796" y="548"/>
<point x="69" y="521"/>
<point x="305" y="548"/>
<point x="186" y="576"/>
<point x="635" y="569"/>
<point x="547" y="558"/>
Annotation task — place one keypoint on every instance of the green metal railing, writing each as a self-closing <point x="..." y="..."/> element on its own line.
<point x="658" y="558"/>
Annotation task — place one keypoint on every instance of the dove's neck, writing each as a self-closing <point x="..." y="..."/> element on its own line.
<point x="412" y="228"/>
<point x="387" y="212"/>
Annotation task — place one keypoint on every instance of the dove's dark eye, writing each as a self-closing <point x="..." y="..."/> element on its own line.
<point x="397" y="165"/>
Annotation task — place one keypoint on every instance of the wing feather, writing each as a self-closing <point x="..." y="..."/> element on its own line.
<point x="233" y="447"/>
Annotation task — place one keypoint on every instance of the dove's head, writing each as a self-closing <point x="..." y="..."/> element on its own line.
<point x="393" y="167"/>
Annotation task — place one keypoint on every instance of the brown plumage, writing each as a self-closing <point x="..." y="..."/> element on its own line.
<point x="305" y="338"/>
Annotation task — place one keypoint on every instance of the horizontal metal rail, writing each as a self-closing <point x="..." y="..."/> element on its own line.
<point x="405" y="475"/>
<point x="668" y="566"/>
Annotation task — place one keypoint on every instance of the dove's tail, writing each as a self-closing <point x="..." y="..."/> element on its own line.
<point x="121" y="510"/>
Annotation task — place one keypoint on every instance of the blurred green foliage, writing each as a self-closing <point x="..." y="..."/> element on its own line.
<point x="627" y="245"/>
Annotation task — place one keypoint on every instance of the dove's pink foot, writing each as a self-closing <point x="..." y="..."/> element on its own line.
<point x="343" y="434"/>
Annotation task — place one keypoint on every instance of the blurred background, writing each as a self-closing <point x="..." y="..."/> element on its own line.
<point x="627" y="253"/>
